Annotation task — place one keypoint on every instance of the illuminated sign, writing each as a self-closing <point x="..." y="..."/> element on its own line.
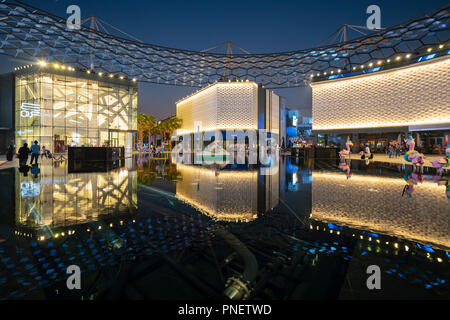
<point x="30" y="189"/>
<point x="22" y="132"/>
<point x="29" y="110"/>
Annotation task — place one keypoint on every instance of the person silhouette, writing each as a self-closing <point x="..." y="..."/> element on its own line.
<point x="35" y="170"/>
<point x="24" y="169"/>
<point x="24" y="152"/>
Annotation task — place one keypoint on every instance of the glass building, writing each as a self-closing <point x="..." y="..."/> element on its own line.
<point x="61" y="107"/>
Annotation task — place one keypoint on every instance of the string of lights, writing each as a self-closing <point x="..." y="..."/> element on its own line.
<point x="35" y="35"/>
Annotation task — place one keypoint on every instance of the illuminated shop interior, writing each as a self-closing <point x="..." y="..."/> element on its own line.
<point x="60" y="107"/>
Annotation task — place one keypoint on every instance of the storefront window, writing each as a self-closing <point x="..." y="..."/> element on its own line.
<point x="61" y="111"/>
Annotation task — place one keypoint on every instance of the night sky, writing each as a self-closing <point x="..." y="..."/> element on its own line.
<point x="257" y="26"/>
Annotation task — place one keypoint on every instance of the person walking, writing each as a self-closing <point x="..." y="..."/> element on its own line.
<point x="24" y="152"/>
<point x="44" y="152"/>
<point x="35" y="152"/>
<point x="10" y="153"/>
<point x="397" y="150"/>
<point x="368" y="153"/>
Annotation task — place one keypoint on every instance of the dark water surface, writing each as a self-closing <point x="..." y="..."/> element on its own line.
<point x="157" y="230"/>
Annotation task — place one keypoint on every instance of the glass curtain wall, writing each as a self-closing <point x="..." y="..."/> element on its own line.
<point x="61" y="111"/>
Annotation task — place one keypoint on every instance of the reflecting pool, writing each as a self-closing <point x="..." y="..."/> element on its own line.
<point x="153" y="229"/>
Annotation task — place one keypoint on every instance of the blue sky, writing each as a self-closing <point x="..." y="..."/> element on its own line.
<point x="257" y="26"/>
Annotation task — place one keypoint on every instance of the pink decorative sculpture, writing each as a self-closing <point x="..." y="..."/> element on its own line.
<point x="412" y="155"/>
<point x="442" y="163"/>
<point x="344" y="165"/>
<point x="411" y="180"/>
<point x="346" y="152"/>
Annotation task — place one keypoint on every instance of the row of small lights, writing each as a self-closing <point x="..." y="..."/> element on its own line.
<point x="63" y="67"/>
<point x="23" y="234"/>
<point x="379" y="63"/>
<point x="72" y="232"/>
<point x="395" y="245"/>
<point x="229" y="81"/>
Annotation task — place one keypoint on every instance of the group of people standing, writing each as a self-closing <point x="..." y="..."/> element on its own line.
<point x="24" y="153"/>
<point x="394" y="150"/>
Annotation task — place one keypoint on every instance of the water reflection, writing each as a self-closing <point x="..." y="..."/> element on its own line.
<point x="227" y="194"/>
<point x="375" y="203"/>
<point x="319" y="231"/>
<point x="52" y="199"/>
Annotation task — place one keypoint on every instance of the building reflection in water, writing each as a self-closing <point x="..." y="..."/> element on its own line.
<point x="376" y="204"/>
<point x="228" y="195"/>
<point x="55" y="199"/>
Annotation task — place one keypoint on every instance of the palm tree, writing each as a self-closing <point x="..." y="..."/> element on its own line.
<point x="145" y="124"/>
<point x="172" y="124"/>
<point x="163" y="129"/>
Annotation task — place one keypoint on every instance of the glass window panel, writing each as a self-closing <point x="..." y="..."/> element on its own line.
<point x="46" y="118"/>
<point x="59" y="92"/>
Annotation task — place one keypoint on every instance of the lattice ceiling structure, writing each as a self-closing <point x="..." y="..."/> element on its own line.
<point x="33" y="34"/>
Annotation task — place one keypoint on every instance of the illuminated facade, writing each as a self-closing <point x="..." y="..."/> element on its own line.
<point x="61" y="108"/>
<point x="230" y="105"/>
<point x="385" y="103"/>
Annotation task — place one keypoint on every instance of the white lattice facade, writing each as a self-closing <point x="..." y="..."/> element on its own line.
<point x="220" y="106"/>
<point x="414" y="95"/>
<point x="60" y="110"/>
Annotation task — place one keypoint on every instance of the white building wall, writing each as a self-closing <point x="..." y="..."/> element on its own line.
<point x="413" y="95"/>
<point x="220" y="106"/>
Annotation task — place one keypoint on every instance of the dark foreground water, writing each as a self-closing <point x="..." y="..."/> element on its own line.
<point x="157" y="230"/>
